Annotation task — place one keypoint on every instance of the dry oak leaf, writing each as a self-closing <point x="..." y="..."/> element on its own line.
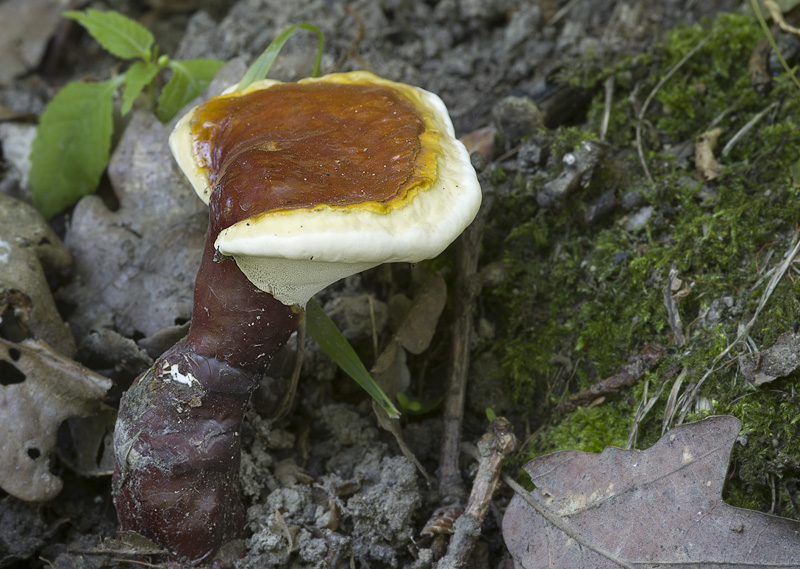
<point x="39" y="388"/>
<point x="656" y="509"/>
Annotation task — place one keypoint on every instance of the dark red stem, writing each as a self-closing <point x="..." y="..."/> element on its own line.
<point x="177" y="440"/>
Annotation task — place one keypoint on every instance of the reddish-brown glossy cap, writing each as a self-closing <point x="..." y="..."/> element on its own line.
<point x="316" y="180"/>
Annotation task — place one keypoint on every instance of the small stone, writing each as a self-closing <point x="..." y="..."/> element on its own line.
<point x="515" y="118"/>
<point x="632" y="200"/>
<point x="639" y="219"/>
<point x="601" y="207"/>
<point x="530" y="156"/>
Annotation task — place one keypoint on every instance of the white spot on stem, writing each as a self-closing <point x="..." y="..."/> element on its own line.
<point x="174" y="374"/>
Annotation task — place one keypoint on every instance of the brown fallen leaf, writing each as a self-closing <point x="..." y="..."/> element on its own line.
<point x="414" y="334"/>
<point x="704" y="160"/>
<point x="27" y="246"/>
<point x="658" y="508"/>
<point x="39" y="388"/>
<point x="417" y="329"/>
<point x="779" y="360"/>
<point x="481" y="141"/>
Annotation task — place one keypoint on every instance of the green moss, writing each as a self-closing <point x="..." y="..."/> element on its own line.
<point x="590" y="430"/>
<point x="580" y="300"/>
<point x="768" y="451"/>
<point x="713" y="80"/>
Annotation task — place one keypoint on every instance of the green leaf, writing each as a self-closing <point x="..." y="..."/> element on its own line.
<point x="137" y="77"/>
<point x="328" y="336"/>
<point x="414" y="406"/>
<point x="72" y="144"/>
<point x="260" y="67"/>
<point x="118" y="34"/>
<point x="189" y="79"/>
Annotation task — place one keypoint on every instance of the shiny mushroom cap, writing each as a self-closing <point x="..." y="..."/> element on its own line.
<point x="313" y="181"/>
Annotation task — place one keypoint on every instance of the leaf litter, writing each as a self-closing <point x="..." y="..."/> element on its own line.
<point x="40" y="389"/>
<point x="656" y="508"/>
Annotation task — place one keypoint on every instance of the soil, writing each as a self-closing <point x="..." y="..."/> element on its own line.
<point x="325" y="486"/>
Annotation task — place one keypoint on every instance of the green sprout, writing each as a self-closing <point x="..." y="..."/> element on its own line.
<point x="73" y="141"/>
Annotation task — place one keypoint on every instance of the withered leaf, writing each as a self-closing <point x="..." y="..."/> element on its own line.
<point x="414" y="334"/>
<point x="705" y="162"/>
<point x="27" y="246"/>
<point x="657" y="508"/>
<point x="416" y="331"/>
<point x="779" y="360"/>
<point x="39" y="389"/>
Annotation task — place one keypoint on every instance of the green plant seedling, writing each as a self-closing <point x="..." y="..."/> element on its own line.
<point x="261" y="66"/>
<point x="73" y="141"/>
<point x="414" y="406"/>
<point x="331" y="340"/>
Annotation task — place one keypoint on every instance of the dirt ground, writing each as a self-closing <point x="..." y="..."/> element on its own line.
<point x="325" y="486"/>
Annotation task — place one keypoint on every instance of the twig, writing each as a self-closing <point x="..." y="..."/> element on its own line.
<point x="509" y="154"/>
<point x="562" y="12"/>
<point x="467" y="289"/>
<point x="627" y="376"/>
<point x="288" y="399"/>
<point x="351" y="51"/>
<point x="609" y="99"/>
<point x="673" y="315"/>
<point x="746" y="128"/>
<point x="656" y="89"/>
<point x="497" y="444"/>
<point x="138" y="562"/>
<point x="647" y="403"/>
<point x="672" y="401"/>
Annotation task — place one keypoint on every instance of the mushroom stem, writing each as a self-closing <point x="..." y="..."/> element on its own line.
<point x="232" y="320"/>
<point x="177" y="441"/>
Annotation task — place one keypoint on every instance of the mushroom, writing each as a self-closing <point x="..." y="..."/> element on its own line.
<point x="306" y="183"/>
<point x="361" y="171"/>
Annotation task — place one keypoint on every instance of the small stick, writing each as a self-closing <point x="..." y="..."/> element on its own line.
<point x="609" y="100"/>
<point x="467" y="288"/>
<point x="673" y="316"/>
<point x="493" y="448"/>
<point x="746" y="128"/>
<point x="627" y="376"/>
<point x="562" y="12"/>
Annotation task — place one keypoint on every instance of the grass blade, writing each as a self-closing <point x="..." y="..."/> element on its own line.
<point x="328" y="336"/>
<point x="261" y="66"/>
